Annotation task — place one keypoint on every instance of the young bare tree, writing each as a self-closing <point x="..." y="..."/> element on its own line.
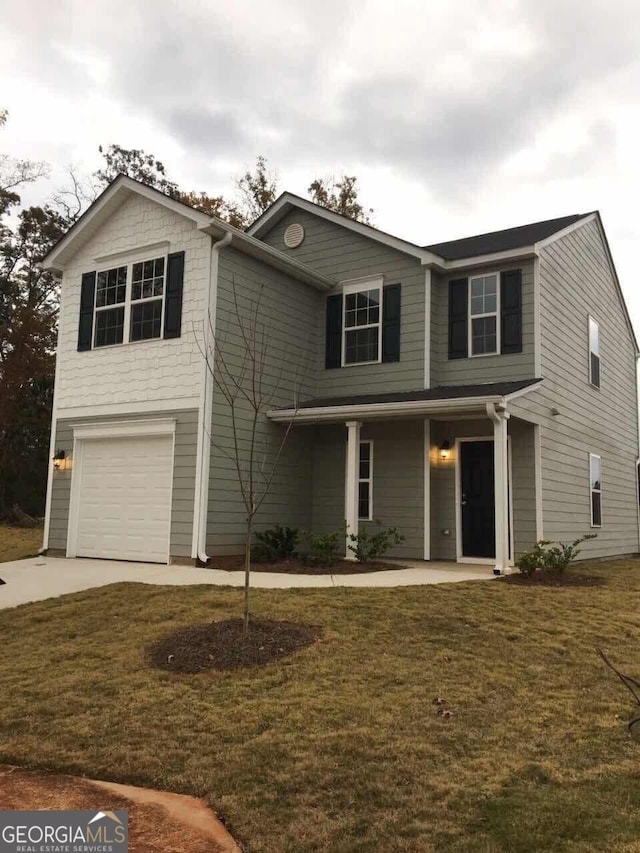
<point x="248" y="374"/>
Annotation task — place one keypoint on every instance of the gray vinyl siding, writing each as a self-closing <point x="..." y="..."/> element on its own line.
<point x="289" y="309"/>
<point x="489" y="368"/>
<point x="575" y="281"/>
<point x="398" y="481"/>
<point x="329" y="468"/>
<point x="341" y="254"/>
<point x="183" y="478"/>
<point x="523" y="484"/>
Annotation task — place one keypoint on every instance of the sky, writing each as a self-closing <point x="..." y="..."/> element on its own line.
<point x="458" y="118"/>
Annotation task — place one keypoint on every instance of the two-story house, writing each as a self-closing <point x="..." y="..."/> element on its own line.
<point x="478" y="394"/>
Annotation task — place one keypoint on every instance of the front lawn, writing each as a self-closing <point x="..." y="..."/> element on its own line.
<point x="341" y="747"/>
<point x="19" y="542"/>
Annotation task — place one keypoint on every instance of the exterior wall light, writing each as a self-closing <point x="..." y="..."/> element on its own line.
<point x="58" y="460"/>
<point x="445" y="451"/>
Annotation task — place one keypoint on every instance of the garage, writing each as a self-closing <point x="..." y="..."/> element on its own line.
<point x="121" y="494"/>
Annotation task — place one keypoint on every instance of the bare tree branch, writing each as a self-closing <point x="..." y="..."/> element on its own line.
<point x="248" y="389"/>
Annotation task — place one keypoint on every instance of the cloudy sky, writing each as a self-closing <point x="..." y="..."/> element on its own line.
<point x="458" y="117"/>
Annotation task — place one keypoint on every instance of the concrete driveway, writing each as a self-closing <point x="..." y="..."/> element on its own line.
<point x="47" y="577"/>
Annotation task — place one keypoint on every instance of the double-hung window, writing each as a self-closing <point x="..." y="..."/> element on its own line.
<point x="595" y="474"/>
<point x="362" y="322"/>
<point x="111" y="291"/>
<point x="594" y="353"/>
<point x="129" y="303"/>
<point x="365" y="481"/>
<point x="484" y="310"/>
<point x="147" y="292"/>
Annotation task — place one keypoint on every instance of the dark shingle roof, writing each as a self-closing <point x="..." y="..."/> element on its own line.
<point x="502" y="241"/>
<point x="444" y="392"/>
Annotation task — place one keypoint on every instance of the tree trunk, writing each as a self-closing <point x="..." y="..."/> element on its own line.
<point x="247" y="575"/>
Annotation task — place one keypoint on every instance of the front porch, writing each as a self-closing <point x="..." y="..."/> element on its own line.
<point x="456" y="476"/>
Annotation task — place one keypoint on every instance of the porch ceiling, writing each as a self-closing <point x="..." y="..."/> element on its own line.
<point x="449" y="399"/>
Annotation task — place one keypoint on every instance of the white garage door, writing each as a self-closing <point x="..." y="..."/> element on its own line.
<point x="124" y="501"/>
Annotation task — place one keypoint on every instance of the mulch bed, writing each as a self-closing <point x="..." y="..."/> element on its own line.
<point x="221" y="645"/>
<point x="296" y="566"/>
<point x="555" y="579"/>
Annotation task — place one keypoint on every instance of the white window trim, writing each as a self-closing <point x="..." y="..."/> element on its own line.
<point x="368" y="480"/>
<point x="128" y="303"/>
<point x="473" y="317"/>
<point x="596" y="491"/>
<point x="358" y="286"/>
<point x="590" y="320"/>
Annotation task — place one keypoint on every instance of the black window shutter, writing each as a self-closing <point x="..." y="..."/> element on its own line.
<point x="333" y="339"/>
<point x="173" y="305"/>
<point x="511" y="311"/>
<point x="391" y="322"/>
<point x="87" y="297"/>
<point x="458" y="318"/>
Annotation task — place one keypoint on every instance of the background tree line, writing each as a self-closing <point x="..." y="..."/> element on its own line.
<point x="29" y="296"/>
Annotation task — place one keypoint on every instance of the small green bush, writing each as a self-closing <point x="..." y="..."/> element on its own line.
<point x="324" y="549"/>
<point x="551" y="556"/>
<point x="276" y="543"/>
<point x="367" y="546"/>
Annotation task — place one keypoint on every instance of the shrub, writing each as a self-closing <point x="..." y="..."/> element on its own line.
<point x="324" y="549"/>
<point x="367" y="546"/>
<point x="551" y="556"/>
<point x="260" y="554"/>
<point x="276" y="543"/>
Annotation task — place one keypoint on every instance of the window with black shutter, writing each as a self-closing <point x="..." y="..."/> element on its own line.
<point x="363" y="324"/>
<point x="133" y="302"/>
<point x="485" y="314"/>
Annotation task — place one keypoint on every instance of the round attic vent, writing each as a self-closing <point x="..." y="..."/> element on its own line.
<point x="293" y="235"/>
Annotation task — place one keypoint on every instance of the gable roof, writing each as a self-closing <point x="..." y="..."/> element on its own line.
<point x="123" y="187"/>
<point x="503" y="241"/>
<point x="288" y="201"/>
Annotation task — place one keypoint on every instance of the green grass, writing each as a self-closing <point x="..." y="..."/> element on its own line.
<point x="19" y="542"/>
<point x="340" y="748"/>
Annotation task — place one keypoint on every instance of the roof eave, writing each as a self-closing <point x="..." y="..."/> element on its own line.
<point x="405" y="408"/>
<point x="521" y="254"/>
<point x="262" y="251"/>
<point x="106" y="204"/>
<point x="372" y="411"/>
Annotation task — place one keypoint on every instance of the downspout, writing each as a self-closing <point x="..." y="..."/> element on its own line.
<point x="207" y="396"/>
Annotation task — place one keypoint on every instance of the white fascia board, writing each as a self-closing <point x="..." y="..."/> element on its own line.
<point x="384" y="410"/>
<point x="522" y="391"/>
<point x="124" y="429"/>
<point x="407" y="408"/>
<point x="257" y="249"/>
<point x="489" y="260"/>
<point x="564" y="231"/>
<point x="115" y="193"/>
<point x="281" y="206"/>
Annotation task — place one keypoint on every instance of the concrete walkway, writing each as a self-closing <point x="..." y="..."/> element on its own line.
<point x="47" y="577"/>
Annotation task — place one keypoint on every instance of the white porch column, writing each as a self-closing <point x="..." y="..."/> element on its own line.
<point x="501" y="485"/>
<point x="352" y="473"/>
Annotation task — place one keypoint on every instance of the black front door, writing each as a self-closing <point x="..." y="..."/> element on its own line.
<point x="477" y="498"/>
